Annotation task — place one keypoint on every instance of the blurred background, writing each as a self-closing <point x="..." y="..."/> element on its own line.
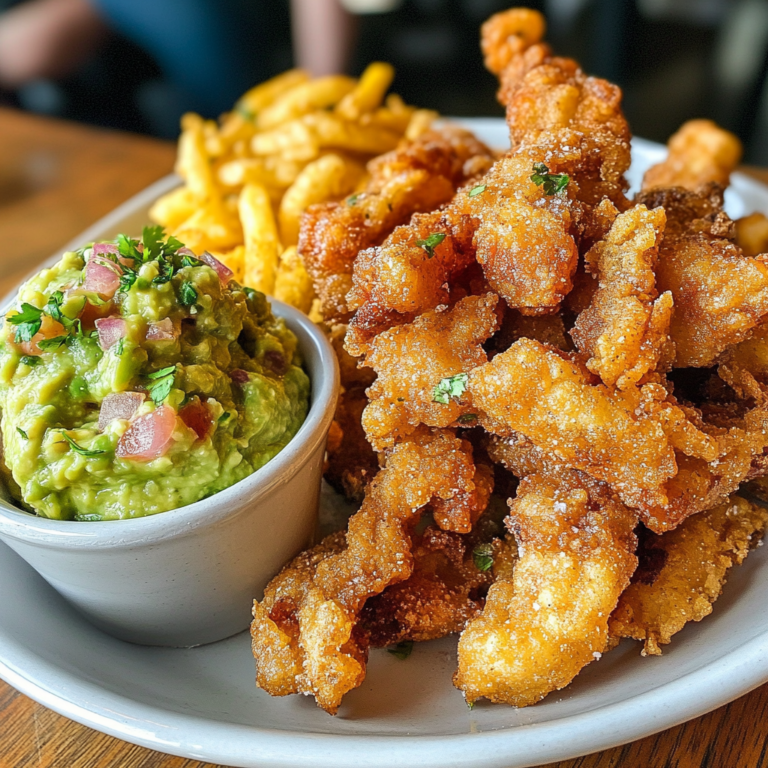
<point x="139" y="64"/>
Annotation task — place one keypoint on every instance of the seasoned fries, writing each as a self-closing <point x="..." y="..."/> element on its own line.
<point x="289" y="143"/>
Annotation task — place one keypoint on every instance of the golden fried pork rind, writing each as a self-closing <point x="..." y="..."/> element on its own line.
<point x="682" y="572"/>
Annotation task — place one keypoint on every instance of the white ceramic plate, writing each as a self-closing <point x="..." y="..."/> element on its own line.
<point x="202" y="703"/>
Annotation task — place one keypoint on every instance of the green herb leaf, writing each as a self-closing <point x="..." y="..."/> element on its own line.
<point x="129" y="248"/>
<point x="551" y="183"/>
<point x="30" y="361"/>
<point x="478" y="190"/>
<point x="187" y="294"/>
<point x="352" y="199"/>
<point x="190" y="261"/>
<point x="452" y="386"/>
<point x="152" y="237"/>
<point x="27" y="322"/>
<point x="402" y="650"/>
<point x="79" y="449"/>
<point x="430" y="243"/>
<point x="89" y="517"/>
<point x="162" y="384"/>
<point x="119" y="347"/>
<point x="224" y="416"/>
<point x="470" y="705"/>
<point x="482" y="555"/>
<point x="22" y="433"/>
<point x="47" y="345"/>
<point x="165" y="274"/>
<point x="127" y="280"/>
<point x="468" y="418"/>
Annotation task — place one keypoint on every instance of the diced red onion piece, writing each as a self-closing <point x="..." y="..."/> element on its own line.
<point x="119" y="405"/>
<point x="101" y="276"/>
<point x="162" y="331"/>
<point x="225" y="273"/>
<point x="149" y="437"/>
<point x="102" y="248"/>
<point x="197" y="416"/>
<point x="239" y="376"/>
<point x="111" y="330"/>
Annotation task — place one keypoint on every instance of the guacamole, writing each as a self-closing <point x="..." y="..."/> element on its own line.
<point x="137" y="377"/>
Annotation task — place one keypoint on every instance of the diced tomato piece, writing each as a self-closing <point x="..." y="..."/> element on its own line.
<point x="119" y="405"/>
<point x="162" y="331"/>
<point x="224" y="272"/>
<point x="149" y="436"/>
<point x="197" y="416"/>
<point x="111" y="330"/>
<point x="50" y="329"/>
<point x="92" y="312"/>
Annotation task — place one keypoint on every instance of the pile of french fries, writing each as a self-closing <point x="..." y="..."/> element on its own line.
<point x="289" y="143"/>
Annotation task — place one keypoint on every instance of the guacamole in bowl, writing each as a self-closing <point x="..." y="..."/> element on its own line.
<point x="136" y="377"/>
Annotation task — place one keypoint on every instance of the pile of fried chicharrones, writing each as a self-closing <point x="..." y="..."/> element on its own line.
<point x="600" y="362"/>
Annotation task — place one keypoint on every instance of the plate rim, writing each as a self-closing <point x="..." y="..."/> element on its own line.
<point x="717" y="683"/>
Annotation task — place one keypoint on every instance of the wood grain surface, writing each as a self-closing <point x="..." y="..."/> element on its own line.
<point x="55" y="180"/>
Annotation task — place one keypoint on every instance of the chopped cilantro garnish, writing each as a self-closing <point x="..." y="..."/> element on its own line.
<point x="352" y="199"/>
<point x="190" y="261"/>
<point x="79" y="449"/>
<point x="551" y="183"/>
<point x="430" y="243"/>
<point x="224" y="416"/>
<point x="128" y="248"/>
<point x="161" y="384"/>
<point x="482" y="555"/>
<point x="468" y="418"/>
<point x="30" y="361"/>
<point x="27" y="322"/>
<point x="450" y="387"/>
<point x="50" y="344"/>
<point x="24" y="435"/>
<point x="187" y="294"/>
<point x="119" y="347"/>
<point x="478" y="190"/>
<point x="402" y="650"/>
<point x="127" y="279"/>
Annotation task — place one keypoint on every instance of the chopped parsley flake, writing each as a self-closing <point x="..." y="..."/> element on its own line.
<point x="450" y="387"/>
<point x="551" y="183"/>
<point x="22" y="433"/>
<point x="402" y="650"/>
<point x="352" y="199"/>
<point x="79" y="449"/>
<point x="478" y="190"/>
<point x="224" y="417"/>
<point x="49" y="344"/>
<point x="430" y="243"/>
<point x="30" y="361"/>
<point x="119" y="347"/>
<point x="482" y="555"/>
<point x="468" y="418"/>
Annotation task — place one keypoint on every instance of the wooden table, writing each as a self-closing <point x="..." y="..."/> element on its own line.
<point x="55" y="180"/>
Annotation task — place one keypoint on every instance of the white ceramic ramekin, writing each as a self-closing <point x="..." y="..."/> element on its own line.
<point x="189" y="576"/>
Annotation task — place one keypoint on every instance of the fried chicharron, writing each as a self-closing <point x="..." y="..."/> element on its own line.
<point x="564" y="389"/>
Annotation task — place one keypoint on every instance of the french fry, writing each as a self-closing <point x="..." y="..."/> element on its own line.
<point x="263" y="95"/>
<point x="262" y="247"/>
<point x="317" y="94"/>
<point x="235" y="260"/>
<point x="192" y="163"/>
<point x="270" y="171"/>
<point x="421" y="120"/>
<point x="330" y="177"/>
<point x="295" y="138"/>
<point x="369" y="91"/>
<point x="330" y="132"/>
<point x="293" y="285"/>
<point x="174" y="208"/>
<point x="212" y="227"/>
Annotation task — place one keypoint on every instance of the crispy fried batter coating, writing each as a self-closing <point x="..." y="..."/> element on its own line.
<point x="625" y="328"/>
<point x="540" y="392"/>
<point x="411" y="361"/>
<point x="720" y="295"/>
<point x="745" y="366"/>
<point x="699" y="153"/>
<point x="540" y="627"/>
<point x="682" y="572"/>
<point x="752" y="234"/>
<point x="445" y="590"/>
<point x="304" y="630"/>
<point x="418" y="176"/>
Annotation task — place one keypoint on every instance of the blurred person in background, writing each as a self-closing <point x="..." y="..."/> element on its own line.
<point x="139" y="64"/>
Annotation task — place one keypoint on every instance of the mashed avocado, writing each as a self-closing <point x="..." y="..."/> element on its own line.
<point x="137" y="378"/>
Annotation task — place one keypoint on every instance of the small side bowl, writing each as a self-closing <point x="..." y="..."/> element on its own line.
<point x="189" y="576"/>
